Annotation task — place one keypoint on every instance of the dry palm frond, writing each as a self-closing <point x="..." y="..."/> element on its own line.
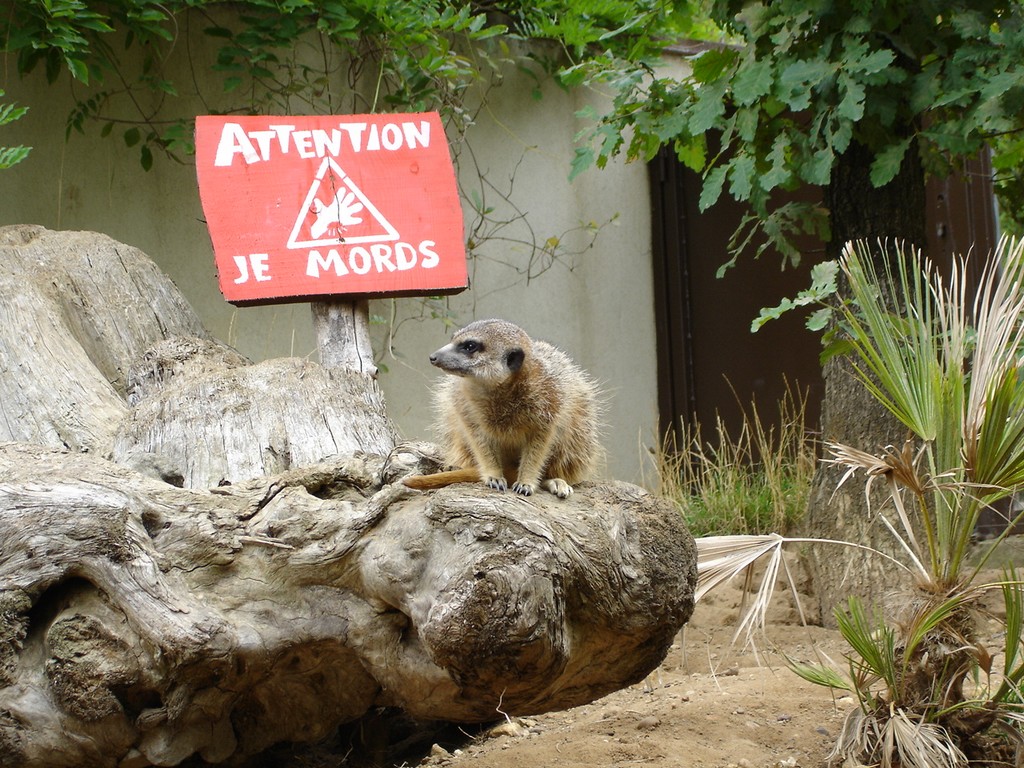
<point x="1011" y="717"/>
<point x="857" y="737"/>
<point x="899" y="740"/>
<point x="897" y="467"/>
<point x="916" y="744"/>
<point x="723" y="558"/>
<point x="999" y="305"/>
<point x="992" y="429"/>
<point x="899" y="470"/>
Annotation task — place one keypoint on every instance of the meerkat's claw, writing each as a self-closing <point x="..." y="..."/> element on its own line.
<point x="496" y="483"/>
<point x="523" y="489"/>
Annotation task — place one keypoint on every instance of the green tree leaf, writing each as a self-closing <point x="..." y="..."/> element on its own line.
<point x="824" y="282"/>
<point x="778" y="174"/>
<point x="712" y="189"/>
<point x="872" y="63"/>
<point x="11" y="155"/>
<point x="753" y="81"/>
<point x="710" y="66"/>
<point x="709" y="107"/>
<point x="581" y="161"/>
<point x="818" y="169"/>
<point x="887" y="163"/>
<point x="741" y="177"/>
<point x="798" y="80"/>
<point x="852" y="105"/>
<point x="692" y="153"/>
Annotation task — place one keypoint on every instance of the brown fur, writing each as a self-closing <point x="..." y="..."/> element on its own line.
<point x="515" y="413"/>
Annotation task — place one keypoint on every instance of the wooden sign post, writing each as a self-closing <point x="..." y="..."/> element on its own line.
<point x="333" y="210"/>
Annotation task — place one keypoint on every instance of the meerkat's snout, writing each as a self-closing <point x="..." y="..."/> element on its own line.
<point x="449" y="360"/>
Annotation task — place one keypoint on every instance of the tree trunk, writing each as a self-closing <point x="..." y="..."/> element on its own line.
<point x="142" y="623"/>
<point x="342" y="331"/>
<point x="850" y="415"/>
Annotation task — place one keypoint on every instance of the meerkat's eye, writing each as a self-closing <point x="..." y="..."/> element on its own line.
<point x="470" y="346"/>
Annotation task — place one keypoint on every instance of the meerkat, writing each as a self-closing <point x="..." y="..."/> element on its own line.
<point x="515" y="413"/>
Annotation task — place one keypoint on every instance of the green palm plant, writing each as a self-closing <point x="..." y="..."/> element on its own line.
<point x="946" y="363"/>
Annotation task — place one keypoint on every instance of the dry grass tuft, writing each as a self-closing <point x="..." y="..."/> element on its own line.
<point x="756" y="482"/>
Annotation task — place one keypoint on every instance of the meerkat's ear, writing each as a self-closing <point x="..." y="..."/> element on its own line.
<point x="514" y="359"/>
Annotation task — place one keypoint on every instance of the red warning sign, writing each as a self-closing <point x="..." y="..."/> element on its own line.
<point x="300" y="207"/>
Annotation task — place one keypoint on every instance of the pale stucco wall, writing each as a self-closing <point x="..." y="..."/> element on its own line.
<point x="596" y="304"/>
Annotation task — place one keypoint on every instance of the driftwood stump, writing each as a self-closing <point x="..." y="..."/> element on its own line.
<point x="250" y="571"/>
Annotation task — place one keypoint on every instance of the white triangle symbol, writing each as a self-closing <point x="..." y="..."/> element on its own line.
<point x="345" y="207"/>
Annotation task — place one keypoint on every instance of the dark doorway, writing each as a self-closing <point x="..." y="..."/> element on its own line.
<point x="709" y="363"/>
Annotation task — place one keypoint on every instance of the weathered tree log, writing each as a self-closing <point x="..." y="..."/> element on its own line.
<point x="142" y="623"/>
<point x="205" y="415"/>
<point x="76" y="309"/>
<point x="89" y="323"/>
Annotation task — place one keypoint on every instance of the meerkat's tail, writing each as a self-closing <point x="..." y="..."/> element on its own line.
<point x="453" y="476"/>
<point x="442" y="479"/>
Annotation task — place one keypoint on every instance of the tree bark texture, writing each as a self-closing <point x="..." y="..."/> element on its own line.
<point x="142" y="623"/>
<point x="205" y="415"/>
<point x="76" y="308"/>
<point x="251" y="571"/>
<point x="850" y="415"/>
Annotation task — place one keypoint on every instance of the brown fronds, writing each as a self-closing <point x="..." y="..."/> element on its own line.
<point x="898" y="467"/>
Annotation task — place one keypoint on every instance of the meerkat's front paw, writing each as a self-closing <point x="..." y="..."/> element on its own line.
<point x="559" y="487"/>
<point x="495" y="483"/>
<point x="523" y="489"/>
